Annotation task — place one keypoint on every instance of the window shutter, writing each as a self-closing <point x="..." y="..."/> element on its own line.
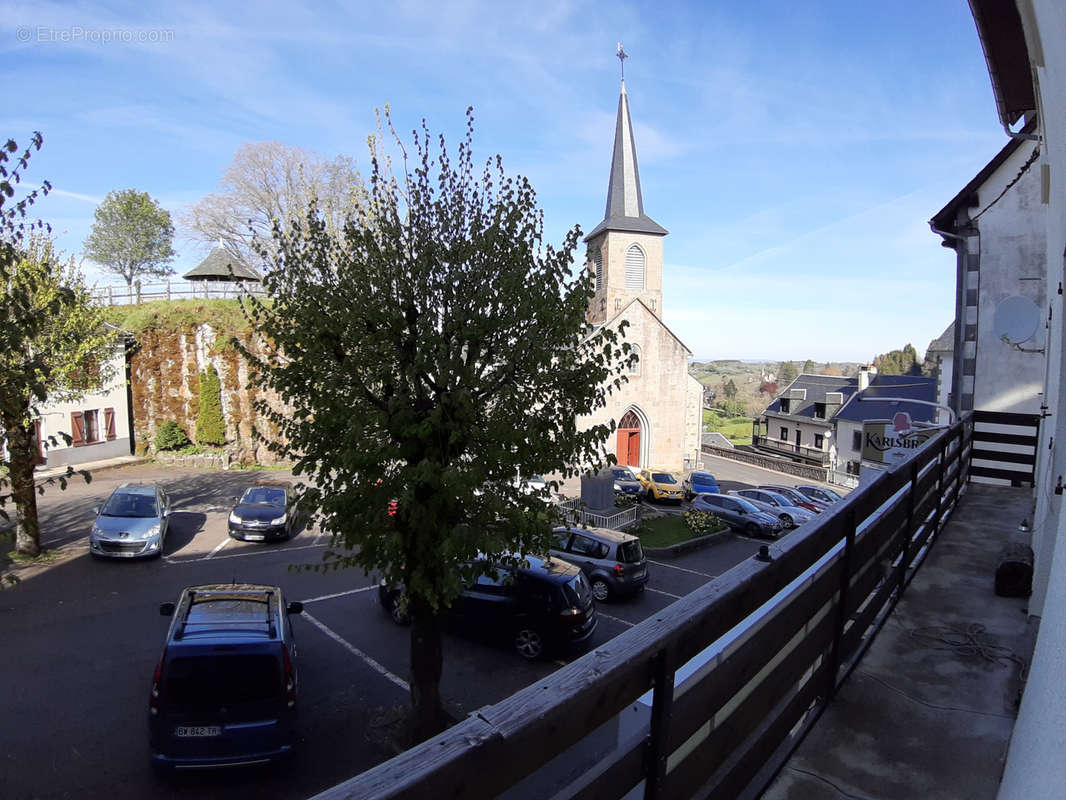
<point x="597" y="259"/>
<point x="109" y="423"/>
<point x="77" y="428"/>
<point x="635" y="268"/>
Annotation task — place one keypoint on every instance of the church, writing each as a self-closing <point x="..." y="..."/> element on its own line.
<point x="658" y="412"/>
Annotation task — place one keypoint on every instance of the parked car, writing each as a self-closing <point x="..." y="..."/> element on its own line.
<point x="660" y="486"/>
<point x="264" y="512"/>
<point x="699" y="483"/>
<point x="613" y="561"/>
<point x="132" y="522"/>
<point x="780" y="506"/>
<point x="797" y="498"/>
<point x="625" y="482"/>
<point x="819" y="494"/>
<point x="739" y="514"/>
<point x="224" y="689"/>
<point x="545" y="604"/>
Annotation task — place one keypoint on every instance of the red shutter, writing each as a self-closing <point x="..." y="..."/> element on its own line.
<point x="77" y="427"/>
<point x="109" y="423"/>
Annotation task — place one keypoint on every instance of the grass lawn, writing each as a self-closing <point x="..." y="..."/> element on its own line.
<point x="736" y="429"/>
<point x="665" y="531"/>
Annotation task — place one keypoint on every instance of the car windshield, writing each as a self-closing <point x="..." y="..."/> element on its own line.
<point x="128" y="504"/>
<point x="700" y="478"/>
<point x="577" y="592"/>
<point x="260" y="495"/>
<point x="662" y="477"/>
<point x="778" y="498"/>
<point x="630" y="552"/>
<point x="622" y="474"/>
<point x="744" y="504"/>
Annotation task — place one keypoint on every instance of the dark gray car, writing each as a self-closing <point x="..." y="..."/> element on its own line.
<point x="132" y="523"/>
<point x="613" y="561"/>
<point x="739" y="514"/>
<point x="780" y="506"/>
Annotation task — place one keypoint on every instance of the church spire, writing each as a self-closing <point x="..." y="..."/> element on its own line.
<point x="625" y="205"/>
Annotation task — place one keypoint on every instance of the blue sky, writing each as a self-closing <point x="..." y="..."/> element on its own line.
<point x="795" y="151"/>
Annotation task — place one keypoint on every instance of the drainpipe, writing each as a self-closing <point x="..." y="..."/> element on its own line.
<point x="960" y="323"/>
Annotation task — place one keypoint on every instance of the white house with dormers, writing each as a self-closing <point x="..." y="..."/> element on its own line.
<point x="658" y="412"/>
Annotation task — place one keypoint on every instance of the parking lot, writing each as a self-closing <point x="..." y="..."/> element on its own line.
<point x="82" y="638"/>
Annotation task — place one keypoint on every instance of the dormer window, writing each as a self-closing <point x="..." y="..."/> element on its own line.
<point x="785" y="405"/>
<point x="819" y="410"/>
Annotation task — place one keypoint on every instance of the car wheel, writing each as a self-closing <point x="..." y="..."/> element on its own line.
<point x="788" y="521"/>
<point x="751" y="529"/>
<point x="529" y="643"/>
<point x="600" y="590"/>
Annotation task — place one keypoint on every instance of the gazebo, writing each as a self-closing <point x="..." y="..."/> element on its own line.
<point x="221" y="266"/>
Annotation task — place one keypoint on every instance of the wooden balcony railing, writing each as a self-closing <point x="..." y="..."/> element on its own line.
<point x="814" y="454"/>
<point x="763" y="649"/>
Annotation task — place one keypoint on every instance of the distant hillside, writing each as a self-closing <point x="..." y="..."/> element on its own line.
<point x="747" y="377"/>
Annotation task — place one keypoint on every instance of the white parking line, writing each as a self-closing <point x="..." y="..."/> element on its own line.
<point x="255" y="552"/>
<point x="339" y="594"/>
<point x="615" y="619"/>
<point x="660" y="591"/>
<point x="682" y="569"/>
<point x="219" y="546"/>
<point x="374" y="665"/>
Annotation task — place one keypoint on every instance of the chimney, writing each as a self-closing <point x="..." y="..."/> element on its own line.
<point x="865" y="372"/>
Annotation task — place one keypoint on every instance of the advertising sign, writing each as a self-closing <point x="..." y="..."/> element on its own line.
<point x="889" y="442"/>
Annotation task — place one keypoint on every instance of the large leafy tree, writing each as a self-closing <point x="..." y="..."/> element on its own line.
<point x="53" y="342"/>
<point x="432" y="349"/>
<point x="899" y="362"/>
<point x="131" y="236"/>
<point x="268" y="183"/>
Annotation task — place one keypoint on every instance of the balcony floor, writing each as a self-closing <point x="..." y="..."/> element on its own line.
<point x="919" y="717"/>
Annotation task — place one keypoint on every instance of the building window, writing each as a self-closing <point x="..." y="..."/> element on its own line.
<point x="784" y="434"/>
<point x="597" y="260"/>
<point x="85" y="426"/>
<point x="635" y="268"/>
<point x="785" y="405"/>
<point x="799" y="436"/>
<point x="819" y="410"/>
<point x="634" y="368"/>
<point x="856" y="440"/>
<point x="819" y="440"/>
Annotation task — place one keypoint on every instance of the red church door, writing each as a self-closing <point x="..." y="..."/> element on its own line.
<point x="628" y="449"/>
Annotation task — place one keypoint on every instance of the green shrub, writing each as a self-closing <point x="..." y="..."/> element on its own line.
<point x="170" y="436"/>
<point x="702" y="522"/>
<point x="623" y="500"/>
<point x="210" y="427"/>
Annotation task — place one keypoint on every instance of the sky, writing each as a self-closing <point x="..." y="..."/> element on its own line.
<point x="795" y="151"/>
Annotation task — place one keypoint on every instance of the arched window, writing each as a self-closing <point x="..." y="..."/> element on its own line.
<point x="635" y="268"/>
<point x="597" y="260"/>
<point x="634" y="367"/>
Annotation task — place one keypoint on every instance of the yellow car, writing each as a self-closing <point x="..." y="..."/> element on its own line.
<point x="660" y="486"/>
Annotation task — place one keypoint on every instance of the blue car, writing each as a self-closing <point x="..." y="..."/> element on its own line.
<point x="700" y="483"/>
<point x="625" y="482"/>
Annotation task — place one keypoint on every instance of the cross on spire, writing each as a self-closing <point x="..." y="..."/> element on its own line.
<point x="622" y="56"/>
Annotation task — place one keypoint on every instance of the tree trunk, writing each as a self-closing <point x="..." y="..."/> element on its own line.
<point x="22" y="460"/>
<point x="427" y="718"/>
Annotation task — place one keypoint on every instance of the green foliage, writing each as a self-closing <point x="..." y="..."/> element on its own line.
<point x="808" y="366"/>
<point x="172" y="315"/>
<point x="131" y="236"/>
<point x="703" y="522"/>
<point x="786" y="373"/>
<point x="729" y="389"/>
<point x="899" y="362"/>
<point x="170" y="436"/>
<point x="53" y="344"/>
<point x="403" y="342"/>
<point x="210" y="427"/>
<point x="623" y="500"/>
<point x="731" y="408"/>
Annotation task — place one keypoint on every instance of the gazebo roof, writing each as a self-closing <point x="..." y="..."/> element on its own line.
<point x="217" y="267"/>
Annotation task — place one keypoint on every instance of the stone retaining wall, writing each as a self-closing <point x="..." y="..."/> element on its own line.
<point x="769" y="462"/>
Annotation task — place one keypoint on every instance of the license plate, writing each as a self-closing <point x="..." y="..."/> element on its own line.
<point x="193" y="731"/>
<point x="254" y="537"/>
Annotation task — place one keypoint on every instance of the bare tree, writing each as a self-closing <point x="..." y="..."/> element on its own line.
<point x="268" y="182"/>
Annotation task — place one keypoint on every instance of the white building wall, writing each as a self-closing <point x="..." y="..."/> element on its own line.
<point x="1013" y="254"/>
<point x="1035" y="766"/>
<point x="56" y="420"/>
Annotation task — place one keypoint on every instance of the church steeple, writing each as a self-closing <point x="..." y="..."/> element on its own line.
<point x="625" y="204"/>
<point x="625" y="251"/>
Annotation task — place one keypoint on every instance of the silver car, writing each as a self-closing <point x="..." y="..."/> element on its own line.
<point x="777" y="504"/>
<point x="132" y="523"/>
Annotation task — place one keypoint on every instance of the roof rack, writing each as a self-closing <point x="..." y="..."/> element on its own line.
<point x="269" y="599"/>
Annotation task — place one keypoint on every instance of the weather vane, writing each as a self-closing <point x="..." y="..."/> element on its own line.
<point x="622" y="59"/>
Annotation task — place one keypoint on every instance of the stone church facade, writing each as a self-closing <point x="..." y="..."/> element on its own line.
<point x="658" y="413"/>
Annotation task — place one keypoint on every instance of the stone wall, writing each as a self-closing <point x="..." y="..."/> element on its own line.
<point x="767" y="462"/>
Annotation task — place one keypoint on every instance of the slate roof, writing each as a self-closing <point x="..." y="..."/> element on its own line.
<point x="625" y="205"/>
<point x="944" y="343"/>
<point x="216" y="267"/>
<point x="817" y="386"/>
<point x="864" y="406"/>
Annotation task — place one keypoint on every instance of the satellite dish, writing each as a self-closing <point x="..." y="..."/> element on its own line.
<point x="1016" y="320"/>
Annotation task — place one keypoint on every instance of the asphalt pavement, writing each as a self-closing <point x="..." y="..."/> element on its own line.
<point x="82" y="638"/>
